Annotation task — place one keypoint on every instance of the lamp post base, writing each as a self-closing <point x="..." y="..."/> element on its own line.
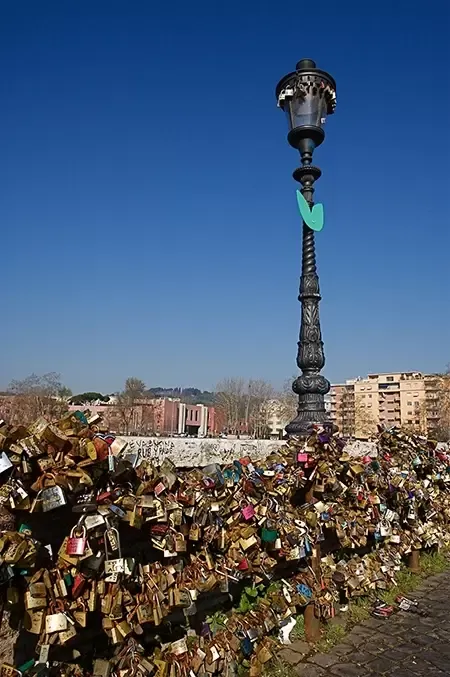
<point x="311" y="390"/>
<point x="302" y="427"/>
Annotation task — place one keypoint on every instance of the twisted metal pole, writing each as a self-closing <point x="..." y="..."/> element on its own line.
<point x="310" y="386"/>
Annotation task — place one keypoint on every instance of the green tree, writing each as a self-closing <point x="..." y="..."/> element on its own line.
<point x="89" y="397"/>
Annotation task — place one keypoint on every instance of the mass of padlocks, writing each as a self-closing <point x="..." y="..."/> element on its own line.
<point x="120" y="567"/>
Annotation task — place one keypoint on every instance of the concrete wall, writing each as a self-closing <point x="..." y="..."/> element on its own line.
<point x="192" y="452"/>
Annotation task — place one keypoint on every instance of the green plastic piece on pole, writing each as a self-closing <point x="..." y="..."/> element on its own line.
<point x="312" y="217"/>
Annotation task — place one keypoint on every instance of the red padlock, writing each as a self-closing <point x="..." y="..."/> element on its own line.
<point x="78" y="585"/>
<point x="159" y="488"/>
<point x="104" y="496"/>
<point x="76" y="544"/>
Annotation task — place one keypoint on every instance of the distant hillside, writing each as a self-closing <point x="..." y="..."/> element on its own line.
<point x="188" y="395"/>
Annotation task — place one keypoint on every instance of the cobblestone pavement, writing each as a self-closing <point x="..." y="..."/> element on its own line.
<point x="405" y="645"/>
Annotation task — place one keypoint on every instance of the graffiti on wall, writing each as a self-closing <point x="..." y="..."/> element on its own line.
<point x="191" y="452"/>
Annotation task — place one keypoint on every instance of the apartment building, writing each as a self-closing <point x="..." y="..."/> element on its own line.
<point x="407" y="399"/>
<point x="341" y="406"/>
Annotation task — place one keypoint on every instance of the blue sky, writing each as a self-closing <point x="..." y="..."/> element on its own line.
<point x="148" y="213"/>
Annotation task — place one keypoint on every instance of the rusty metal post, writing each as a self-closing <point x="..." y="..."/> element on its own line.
<point x="414" y="561"/>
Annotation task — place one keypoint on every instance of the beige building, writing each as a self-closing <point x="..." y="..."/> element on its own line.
<point x="342" y="406"/>
<point x="407" y="399"/>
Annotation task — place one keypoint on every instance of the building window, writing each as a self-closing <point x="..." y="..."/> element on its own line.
<point x="369" y="395"/>
<point x="196" y="414"/>
<point x="416" y="394"/>
<point x="389" y="378"/>
<point x="409" y="404"/>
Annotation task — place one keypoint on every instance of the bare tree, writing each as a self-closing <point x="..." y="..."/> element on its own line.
<point x="260" y="396"/>
<point x="37" y="396"/>
<point x="244" y="405"/>
<point x="231" y="403"/>
<point x="134" y="387"/>
<point x="288" y="401"/>
<point x="128" y="409"/>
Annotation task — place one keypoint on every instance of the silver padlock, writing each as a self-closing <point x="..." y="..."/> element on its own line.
<point x="51" y="498"/>
<point x="55" y="622"/>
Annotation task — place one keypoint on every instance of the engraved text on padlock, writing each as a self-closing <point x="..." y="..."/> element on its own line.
<point x="76" y="543"/>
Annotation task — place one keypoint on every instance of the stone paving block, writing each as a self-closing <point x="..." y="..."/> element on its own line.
<point x="379" y="645"/>
<point x="349" y="670"/>
<point x="435" y="596"/>
<point x="431" y="654"/>
<point x="342" y="649"/>
<point x="373" y="622"/>
<point x="417" y="665"/>
<point x="421" y="639"/>
<point x="358" y="636"/>
<point x="406" y="619"/>
<point x="426" y="621"/>
<point x="359" y="657"/>
<point x="394" y="628"/>
<point x="381" y="665"/>
<point x="308" y="670"/>
<point x="325" y="660"/>
<point x="398" y="654"/>
<point x="442" y="648"/>
<point x="292" y="657"/>
<point x="300" y="647"/>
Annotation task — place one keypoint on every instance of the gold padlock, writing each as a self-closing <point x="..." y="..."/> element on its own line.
<point x="124" y="628"/>
<point x="194" y="532"/>
<point x="68" y="634"/>
<point x="162" y="667"/>
<point x="7" y="670"/>
<point x="102" y="668"/>
<point x="34" y="602"/>
<point x="80" y="614"/>
<point x="106" y="604"/>
<point x="33" y="621"/>
<point x="144" y="612"/>
<point x="15" y="551"/>
<point x="37" y="589"/>
<point x="116" y="637"/>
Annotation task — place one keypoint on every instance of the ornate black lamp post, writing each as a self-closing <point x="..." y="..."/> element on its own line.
<point x="307" y="97"/>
